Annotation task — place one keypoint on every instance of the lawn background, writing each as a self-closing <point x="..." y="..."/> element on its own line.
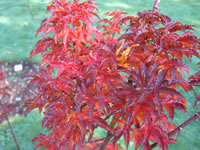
<point x="19" y="20"/>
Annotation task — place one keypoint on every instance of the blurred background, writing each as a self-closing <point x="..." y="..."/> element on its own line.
<point x="19" y="20"/>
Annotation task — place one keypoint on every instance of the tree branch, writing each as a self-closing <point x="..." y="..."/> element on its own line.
<point x="11" y="130"/>
<point x="179" y="128"/>
<point x="106" y="141"/>
<point x="156" y="5"/>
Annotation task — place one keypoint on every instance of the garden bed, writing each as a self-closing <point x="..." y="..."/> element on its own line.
<point x="17" y="80"/>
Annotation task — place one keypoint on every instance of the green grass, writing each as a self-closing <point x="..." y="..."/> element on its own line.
<point x="24" y="128"/>
<point x="19" y="21"/>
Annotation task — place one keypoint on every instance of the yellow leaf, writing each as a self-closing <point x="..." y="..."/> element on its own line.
<point x="119" y="49"/>
<point x="125" y="54"/>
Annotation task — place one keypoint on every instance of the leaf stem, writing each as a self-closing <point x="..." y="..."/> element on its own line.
<point x="156" y="5"/>
<point x="180" y="127"/>
<point x="13" y="135"/>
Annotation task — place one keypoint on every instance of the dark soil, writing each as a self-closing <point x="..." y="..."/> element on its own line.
<point x="17" y="81"/>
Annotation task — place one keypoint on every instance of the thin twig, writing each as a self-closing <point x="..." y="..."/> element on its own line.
<point x="156" y="5"/>
<point x="13" y="135"/>
<point x="179" y="128"/>
<point x="97" y="140"/>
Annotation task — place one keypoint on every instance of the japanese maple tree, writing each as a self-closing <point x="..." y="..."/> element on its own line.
<point x="120" y="74"/>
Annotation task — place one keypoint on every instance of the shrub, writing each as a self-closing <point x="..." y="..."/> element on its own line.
<point x="120" y="74"/>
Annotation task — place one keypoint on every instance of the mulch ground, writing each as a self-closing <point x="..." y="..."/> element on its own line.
<point x="17" y="81"/>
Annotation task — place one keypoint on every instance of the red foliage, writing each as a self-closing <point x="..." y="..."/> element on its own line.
<point x="130" y="80"/>
<point x="6" y="108"/>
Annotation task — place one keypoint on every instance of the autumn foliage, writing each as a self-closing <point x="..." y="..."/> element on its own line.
<point x="6" y="107"/>
<point x="121" y="74"/>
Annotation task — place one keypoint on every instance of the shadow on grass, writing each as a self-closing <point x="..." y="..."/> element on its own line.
<point x="18" y="24"/>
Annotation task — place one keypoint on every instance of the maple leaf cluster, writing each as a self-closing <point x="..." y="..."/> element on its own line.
<point x="120" y="74"/>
